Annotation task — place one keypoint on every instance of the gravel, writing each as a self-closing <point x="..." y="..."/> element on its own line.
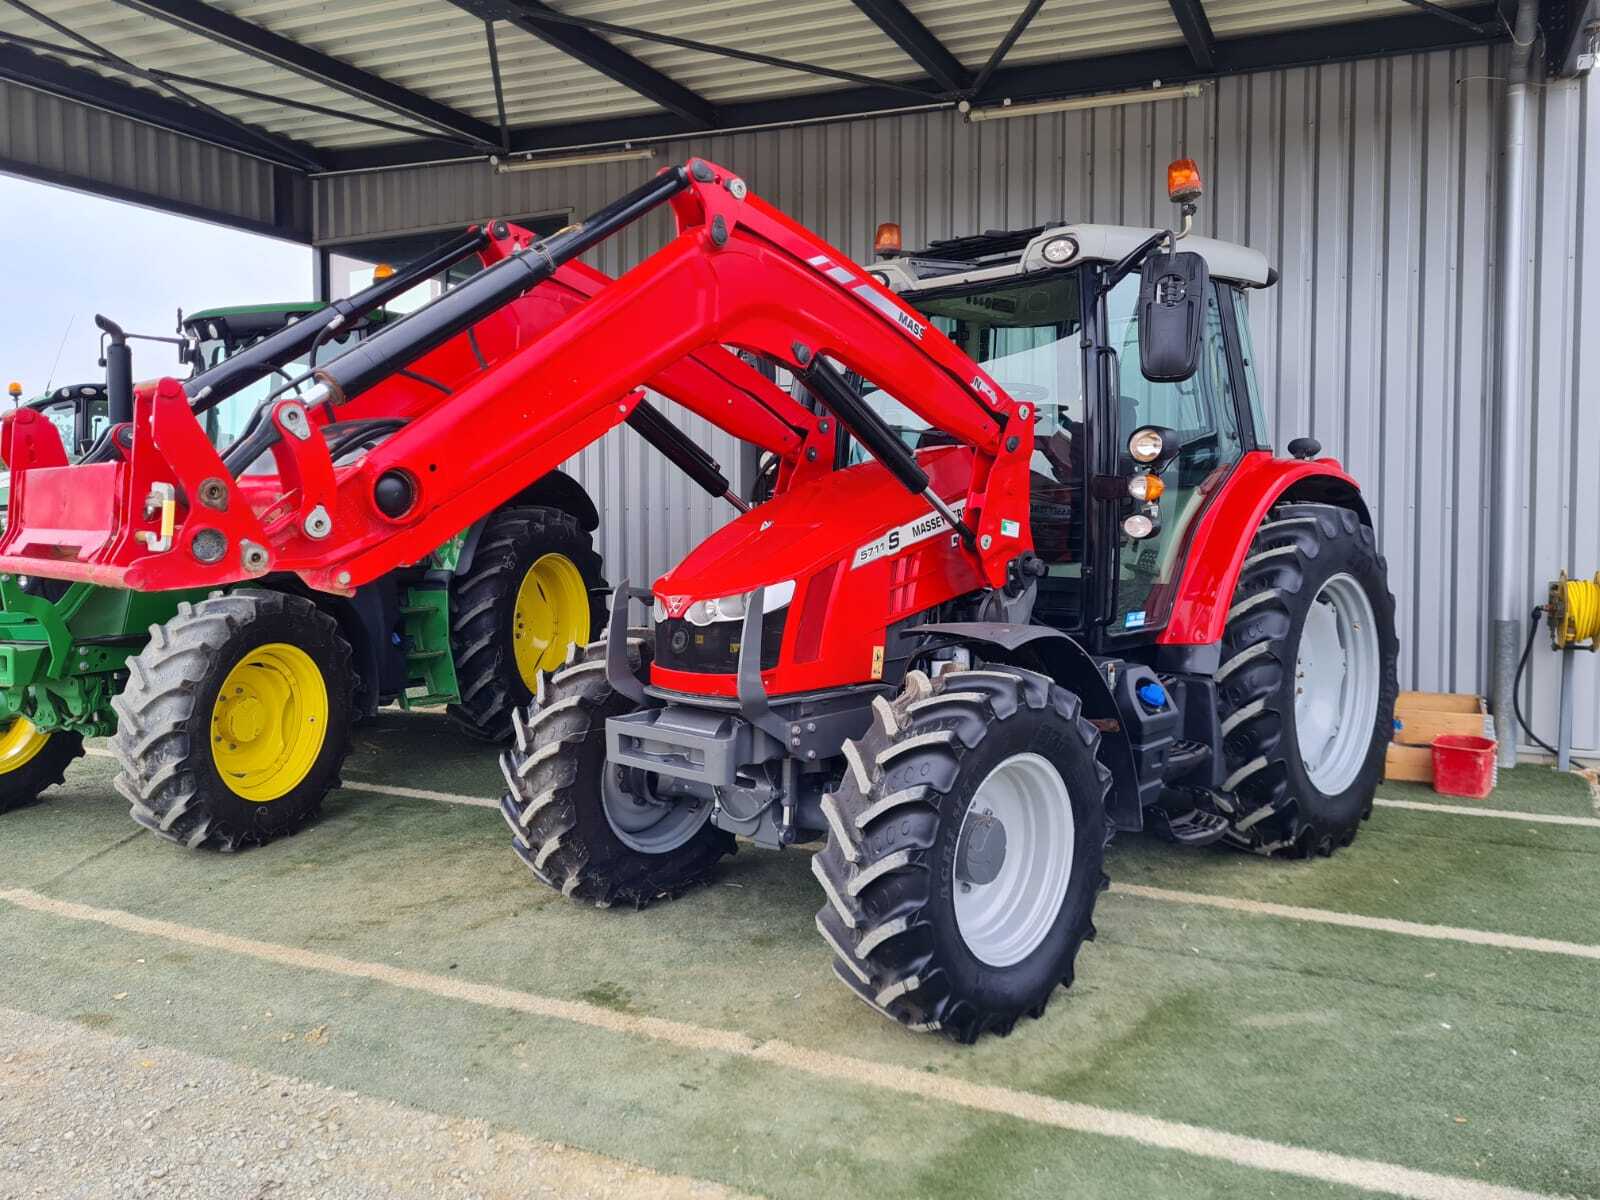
<point x="86" y="1114"/>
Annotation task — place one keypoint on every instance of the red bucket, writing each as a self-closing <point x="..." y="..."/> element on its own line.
<point x="1463" y="765"/>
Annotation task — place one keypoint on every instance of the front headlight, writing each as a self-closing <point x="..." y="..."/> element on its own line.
<point x="658" y="611"/>
<point x="733" y="608"/>
<point x="1146" y="444"/>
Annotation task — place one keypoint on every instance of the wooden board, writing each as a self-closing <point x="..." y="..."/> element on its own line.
<point x="1411" y="763"/>
<point x="1422" y="716"/>
<point x="1459" y="702"/>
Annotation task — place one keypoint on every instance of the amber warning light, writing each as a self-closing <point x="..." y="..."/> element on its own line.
<point x="887" y="240"/>
<point x="1183" y="182"/>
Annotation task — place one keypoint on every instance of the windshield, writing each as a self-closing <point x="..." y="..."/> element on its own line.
<point x="228" y="419"/>
<point x="1025" y="335"/>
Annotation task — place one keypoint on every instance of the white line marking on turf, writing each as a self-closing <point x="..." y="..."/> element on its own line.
<point x="1324" y="916"/>
<point x="1197" y="1140"/>
<point x="409" y="793"/>
<point x="1506" y="814"/>
<point x="382" y="789"/>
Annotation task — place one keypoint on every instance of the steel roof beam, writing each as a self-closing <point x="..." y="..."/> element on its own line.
<point x="548" y="16"/>
<point x="1197" y="35"/>
<point x="919" y="45"/>
<point x="111" y="95"/>
<point x="543" y="22"/>
<point x="114" y="64"/>
<point x="1446" y="14"/>
<point x="222" y="27"/>
<point x="1024" y="19"/>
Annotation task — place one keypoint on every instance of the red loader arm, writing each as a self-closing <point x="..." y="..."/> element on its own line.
<point x="739" y="273"/>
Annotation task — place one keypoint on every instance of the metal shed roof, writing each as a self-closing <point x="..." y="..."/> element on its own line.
<point x="309" y="86"/>
<point x="328" y="86"/>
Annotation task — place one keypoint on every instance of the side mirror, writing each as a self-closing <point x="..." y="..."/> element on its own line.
<point x="1172" y="315"/>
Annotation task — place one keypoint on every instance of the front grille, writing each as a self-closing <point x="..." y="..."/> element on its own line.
<point x="714" y="649"/>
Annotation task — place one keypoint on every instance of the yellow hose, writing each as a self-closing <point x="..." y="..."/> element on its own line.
<point x="1574" y="612"/>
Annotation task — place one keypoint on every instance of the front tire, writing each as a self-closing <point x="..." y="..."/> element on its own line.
<point x="965" y="851"/>
<point x="571" y="823"/>
<point x="1308" y="683"/>
<point x="32" y="760"/>
<point x="235" y="720"/>
<point x="529" y="597"/>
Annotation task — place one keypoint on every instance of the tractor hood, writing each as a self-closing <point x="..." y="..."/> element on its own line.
<point x="834" y="517"/>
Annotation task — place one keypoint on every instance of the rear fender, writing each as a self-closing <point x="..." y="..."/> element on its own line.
<point x="557" y="489"/>
<point x="1226" y="528"/>
<point x="1040" y="647"/>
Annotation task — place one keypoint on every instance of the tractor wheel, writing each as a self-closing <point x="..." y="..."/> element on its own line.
<point x="964" y="854"/>
<point x="32" y="760"/>
<point x="592" y="831"/>
<point x="1307" y="684"/>
<point x="235" y="720"/>
<point x="528" y="598"/>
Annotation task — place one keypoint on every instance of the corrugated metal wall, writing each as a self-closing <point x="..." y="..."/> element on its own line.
<point x="61" y="141"/>
<point x="1372" y="186"/>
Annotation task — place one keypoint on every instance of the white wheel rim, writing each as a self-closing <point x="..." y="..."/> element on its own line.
<point x="1336" y="684"/>
<point x="1003" y="921"/>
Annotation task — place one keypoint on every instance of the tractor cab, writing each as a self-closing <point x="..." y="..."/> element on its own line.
<point x="1054" y="317"/>
<point x="218" y="334"/>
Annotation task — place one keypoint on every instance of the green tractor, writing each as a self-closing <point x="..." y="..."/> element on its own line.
<point x="470" y="628"/>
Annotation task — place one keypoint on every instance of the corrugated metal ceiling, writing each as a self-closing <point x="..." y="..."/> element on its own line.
<point x="436" y="49"/>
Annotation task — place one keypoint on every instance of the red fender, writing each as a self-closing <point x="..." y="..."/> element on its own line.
<point x="1222" y="538"/>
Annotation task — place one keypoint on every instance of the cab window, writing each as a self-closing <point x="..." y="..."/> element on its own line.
<point x="64" y="416"/>
<point x="1201" y="413"/>
<point x="1247" y="357"/>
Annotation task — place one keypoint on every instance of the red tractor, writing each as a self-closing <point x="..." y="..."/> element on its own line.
<point x="1058" y="587"/>
<point x="891" y="654"/>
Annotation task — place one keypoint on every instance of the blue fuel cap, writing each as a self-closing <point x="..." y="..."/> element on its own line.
<point x="1153" y="694"/>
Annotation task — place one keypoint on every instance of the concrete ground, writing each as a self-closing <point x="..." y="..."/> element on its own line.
<point x="389" y="1005"/>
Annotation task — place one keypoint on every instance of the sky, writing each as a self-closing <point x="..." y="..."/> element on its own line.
<point x="66" y="255"/>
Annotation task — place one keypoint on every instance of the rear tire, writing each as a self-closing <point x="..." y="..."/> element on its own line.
<point x="266" y="669"/>
<point x="555" y="808"/>
<point x="900" y="910"/>
<point x="544" y="556"/>
<point x="1278" y="805"/>
<point x="28" y="766"/>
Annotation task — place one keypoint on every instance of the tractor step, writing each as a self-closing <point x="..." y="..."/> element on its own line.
<point x="1185" y="758"/>
<point x="1191" y="828"/>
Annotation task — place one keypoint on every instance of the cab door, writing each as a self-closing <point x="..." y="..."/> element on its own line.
<point x="1203" y="413"/>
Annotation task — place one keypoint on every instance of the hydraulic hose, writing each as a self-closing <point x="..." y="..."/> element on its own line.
<point x="1516" y="685"/>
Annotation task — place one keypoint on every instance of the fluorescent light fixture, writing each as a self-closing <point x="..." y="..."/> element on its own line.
<point x="571" y="160"/>
<point x="1080" y="103"/>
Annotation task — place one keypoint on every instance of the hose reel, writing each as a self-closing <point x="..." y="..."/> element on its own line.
<point x="1572" y="614"/>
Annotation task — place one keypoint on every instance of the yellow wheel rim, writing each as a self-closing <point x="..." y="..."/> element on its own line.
<point x="21" y="740"/>
<point x="269" y="721"/>
<point x="551" y="613"/>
